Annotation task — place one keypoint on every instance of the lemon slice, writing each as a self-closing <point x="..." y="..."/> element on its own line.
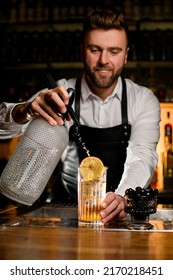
<point x="92" y="168"/>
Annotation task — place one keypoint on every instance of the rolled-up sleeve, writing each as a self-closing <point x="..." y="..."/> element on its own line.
<point x="8" y="127"/>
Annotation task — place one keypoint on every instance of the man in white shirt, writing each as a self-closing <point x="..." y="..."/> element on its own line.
<point x="119" y="119"/>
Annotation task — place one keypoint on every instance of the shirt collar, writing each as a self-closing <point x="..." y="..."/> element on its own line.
<point x="86" y="93"/>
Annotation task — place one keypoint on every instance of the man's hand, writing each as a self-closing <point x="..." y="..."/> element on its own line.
<point x="47" y="104"/>
<point x="113" y="208"/>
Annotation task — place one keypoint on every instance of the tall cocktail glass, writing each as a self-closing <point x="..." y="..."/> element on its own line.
<point x="91" y="194"/>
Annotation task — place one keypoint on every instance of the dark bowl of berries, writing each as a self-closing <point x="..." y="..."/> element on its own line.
<point x="140" y="203"/>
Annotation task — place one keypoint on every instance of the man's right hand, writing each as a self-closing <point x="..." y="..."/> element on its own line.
<point x="47" y="104"/>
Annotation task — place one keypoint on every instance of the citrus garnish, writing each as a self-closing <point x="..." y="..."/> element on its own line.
<point x="92" y="168"/>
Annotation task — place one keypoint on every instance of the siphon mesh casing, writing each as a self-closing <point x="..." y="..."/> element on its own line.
<point x="33" y="161"/>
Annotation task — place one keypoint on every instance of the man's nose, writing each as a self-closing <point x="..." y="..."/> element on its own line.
<point x="103" y="58"/>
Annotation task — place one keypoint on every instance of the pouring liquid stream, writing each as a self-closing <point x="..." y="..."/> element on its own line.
<point x="79" y="138"/>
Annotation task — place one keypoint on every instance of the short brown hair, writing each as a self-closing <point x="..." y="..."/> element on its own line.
<point x="105" y="18"/>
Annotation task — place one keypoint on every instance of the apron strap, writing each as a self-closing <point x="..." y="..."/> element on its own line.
<point x="77" y="97"/>
<point x="124" y="103"/>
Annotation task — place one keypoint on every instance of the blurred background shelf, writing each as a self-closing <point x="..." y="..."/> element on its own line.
<point x="42" y="36"/>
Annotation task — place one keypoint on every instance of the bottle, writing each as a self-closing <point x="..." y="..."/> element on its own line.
<point x="168" y="132"/>
<point x="31" y="10"/>
<point x="157" y="10"/>
<point x="167" y="9"/>
<point x="22" y="11"/>
<point x="137" y="10"/>
<point x="33" y="161"/>
<point x="39" y="11"/>
<point x="168" y="155"/>
<point x="13" y="11"/>
<point x="154" y="180"/>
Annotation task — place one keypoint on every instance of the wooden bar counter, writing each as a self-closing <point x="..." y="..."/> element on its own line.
<point x="65" y="242"/>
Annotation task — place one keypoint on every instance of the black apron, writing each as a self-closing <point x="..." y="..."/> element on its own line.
<point x="108" y="144"/>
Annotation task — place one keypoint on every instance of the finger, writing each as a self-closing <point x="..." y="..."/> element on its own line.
<point x="110" y="197"/>
<point x="61" y="93"/>
<point x="56" y="101"/>
<point x="48" y="114"/>
<point x="111" y="217"/>
<point x="49" y="103"/>
<point x="112" y="211"/>
<point x="46" y="111"/>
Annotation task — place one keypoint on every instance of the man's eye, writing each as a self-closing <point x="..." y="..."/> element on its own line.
<point x="94" y="50"/>
<point x="114" y="52"/>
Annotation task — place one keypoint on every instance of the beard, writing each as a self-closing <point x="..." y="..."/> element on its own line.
<point x="101" y="82"/>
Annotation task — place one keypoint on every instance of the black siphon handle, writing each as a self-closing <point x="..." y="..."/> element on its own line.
<point x="51" y="84"/>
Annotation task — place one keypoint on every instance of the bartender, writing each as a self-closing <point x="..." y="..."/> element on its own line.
<point x="119" y="119"/>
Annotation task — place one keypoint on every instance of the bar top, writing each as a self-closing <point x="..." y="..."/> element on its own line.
<point x="40" y="238"/>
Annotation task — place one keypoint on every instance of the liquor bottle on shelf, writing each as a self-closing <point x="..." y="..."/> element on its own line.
<point x="168" y="44"/>
<point x="168" y="155"/>
<point x="13" y="11"/>
<point x="128" y="10"/>
<point x="157" y="10"/>
<point x="39" y="11"/>
<point x="154" y="180"/>
<point x="31" y="6"/>
<point x="146" y="45"/>
<point x="22" y="11"/>
<point x="168" y="132"/>
<point x="167" y="9"/>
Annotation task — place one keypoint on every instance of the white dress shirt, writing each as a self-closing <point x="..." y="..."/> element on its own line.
<point x="143" y="115"/>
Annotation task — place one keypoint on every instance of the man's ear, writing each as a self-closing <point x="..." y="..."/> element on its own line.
<point x="126" y="56"/>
